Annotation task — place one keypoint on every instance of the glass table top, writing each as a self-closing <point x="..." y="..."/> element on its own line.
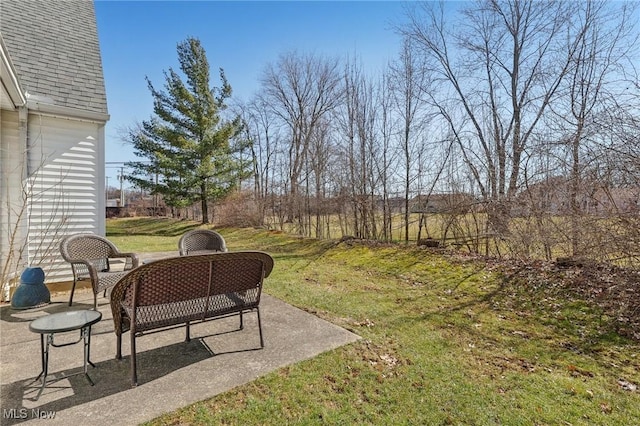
<point x="65" y="321"/>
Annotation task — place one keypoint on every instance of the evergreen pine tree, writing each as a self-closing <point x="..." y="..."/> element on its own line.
<point x="187" y="143"/>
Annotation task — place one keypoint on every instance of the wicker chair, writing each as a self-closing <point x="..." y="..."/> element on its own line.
<point x="91" y="257"/>
<point x="201" y="241"/>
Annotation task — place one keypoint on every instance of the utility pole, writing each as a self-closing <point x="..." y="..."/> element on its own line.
<point x="121" y="189"/>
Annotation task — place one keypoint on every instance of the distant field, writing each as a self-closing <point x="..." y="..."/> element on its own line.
<point x="147" y="234"/>
<point x="334" y="229"/>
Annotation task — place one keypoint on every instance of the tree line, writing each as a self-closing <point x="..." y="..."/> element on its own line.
<point x="503" y="127"/>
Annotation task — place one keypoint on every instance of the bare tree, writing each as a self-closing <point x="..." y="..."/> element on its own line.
<point x="594" y="93"/>
<point x="301" y="90"/>
<point x="357" y="126"/>
<point x="409" y="82"/>
<point x="498" y="67"/>
<point x="386" y="157"/>
<point x="260" y="128"/>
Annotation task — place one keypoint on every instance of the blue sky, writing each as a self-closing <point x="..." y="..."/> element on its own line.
<point x="139" y="38"/>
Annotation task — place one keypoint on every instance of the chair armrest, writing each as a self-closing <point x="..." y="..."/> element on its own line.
<point x="91" y="268"/>
<point x="135" y="260"/>
<point x="121" y="321"/>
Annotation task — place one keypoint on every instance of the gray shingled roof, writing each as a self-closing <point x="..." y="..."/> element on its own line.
<point x="54" y="47"/>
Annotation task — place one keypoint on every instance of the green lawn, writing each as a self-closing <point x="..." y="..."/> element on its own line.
<point x="446" y="339"/>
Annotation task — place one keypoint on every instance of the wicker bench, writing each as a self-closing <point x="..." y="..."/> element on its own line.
<point x="179" y="291"/>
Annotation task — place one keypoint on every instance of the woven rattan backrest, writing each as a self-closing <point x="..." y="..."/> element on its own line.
<point x="200" y="240"/>
<point x="86" y="246"/>
<point x="168" y="282"/>
<point x="190" y="277"/>
<point x="230" y="275"/>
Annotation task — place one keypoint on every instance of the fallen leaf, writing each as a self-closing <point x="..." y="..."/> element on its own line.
<point x="628" y="386"/>
<point x="366" y="323"/>
<point x="575" y="371"/>
<point x="389" y="360"/>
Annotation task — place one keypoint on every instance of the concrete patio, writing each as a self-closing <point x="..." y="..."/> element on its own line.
<point x="172" y="372"/>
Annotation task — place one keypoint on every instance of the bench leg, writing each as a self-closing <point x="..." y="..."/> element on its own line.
<point x="188" y="336"/>
<point x="241" y="321"/>
<point x="134" y="373"/>
<point x="118" y="346"/>
<point x="260" y="328"/>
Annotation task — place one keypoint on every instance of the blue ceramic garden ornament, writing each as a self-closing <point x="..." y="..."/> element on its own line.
<point x="31" y="291"/>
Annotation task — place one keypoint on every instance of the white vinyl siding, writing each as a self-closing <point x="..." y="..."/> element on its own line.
<point x="66" y="178"/>
<point x="12" y="171"/>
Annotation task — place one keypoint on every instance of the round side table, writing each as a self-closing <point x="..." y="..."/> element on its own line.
<point x="59" y="323"/>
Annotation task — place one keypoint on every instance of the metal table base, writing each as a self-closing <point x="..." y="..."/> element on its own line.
<point x="57" y="323"/>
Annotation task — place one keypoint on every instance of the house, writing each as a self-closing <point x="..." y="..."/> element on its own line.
<point x="52" y="120"/>
<point x="553" y="196"/>
<point x="445" y="203"/>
